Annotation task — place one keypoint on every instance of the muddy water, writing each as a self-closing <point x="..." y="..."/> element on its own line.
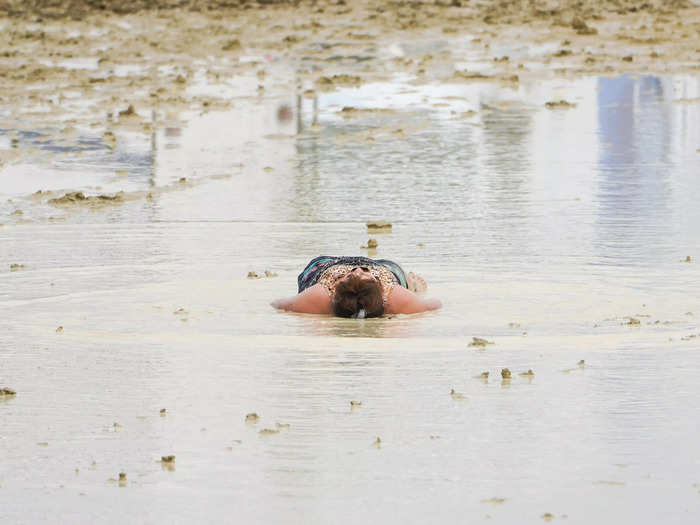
<point x="559" y="234"/>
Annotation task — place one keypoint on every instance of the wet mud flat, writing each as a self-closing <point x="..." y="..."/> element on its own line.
<point x="166" y="173"/>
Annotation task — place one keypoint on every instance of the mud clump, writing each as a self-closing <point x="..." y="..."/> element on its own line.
<point x="529" y="373"/>
<point x="582" y="28"/>
<point x="484" y="376"/>
<point x="478" y="341"/>
<point x="128" y="112"/>
<point x="633" y="322"/>
<point x="163" y="412"/>
<point x="327" y="83"/>
<point x="468" y="76"/>
<point x="69" y="198"/>
<point x="378" y="226"/>
<point x="255" y="275"/>
<point x="231" y="45"/>
<point x="6" y="392"/>
<point x="269" y="431"/>
<point x="251" y="418"/>
<point x="16" y="267"/>
<point x="78" y="197"/>
<point x="559" y="104"/>
<point x="457" y="396"/>
<point x="355" y="404"/>
<point x="505" y="373"/>
<point x="167" y="459"/>
<point x="371" y="245"/>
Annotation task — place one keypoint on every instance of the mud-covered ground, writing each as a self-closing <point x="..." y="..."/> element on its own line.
<point x="136" y="64"/>
<point x="538" y="163"/>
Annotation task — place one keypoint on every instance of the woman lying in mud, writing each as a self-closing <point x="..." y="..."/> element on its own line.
<point x="357" y="287"/>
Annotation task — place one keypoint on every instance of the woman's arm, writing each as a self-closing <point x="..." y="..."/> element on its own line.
<point x="403" y="301"/>
<point x="313" y="300"/>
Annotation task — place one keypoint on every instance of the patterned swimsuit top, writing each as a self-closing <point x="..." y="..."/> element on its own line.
<point x="329" y="278"/>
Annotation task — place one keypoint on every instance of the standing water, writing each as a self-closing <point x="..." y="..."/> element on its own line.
<point x="565" y="235"/>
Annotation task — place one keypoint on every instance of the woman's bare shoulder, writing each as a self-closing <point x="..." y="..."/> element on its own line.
<point x="313" y="300"/>
<point x="403" y="301"/>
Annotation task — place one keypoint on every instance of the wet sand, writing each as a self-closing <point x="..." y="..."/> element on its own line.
<point x="541" y="176"/>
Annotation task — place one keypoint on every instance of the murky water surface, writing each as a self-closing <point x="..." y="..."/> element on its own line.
<point x="558" y="234"/>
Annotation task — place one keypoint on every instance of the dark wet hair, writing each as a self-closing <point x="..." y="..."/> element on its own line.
<point x="353" y="294"/>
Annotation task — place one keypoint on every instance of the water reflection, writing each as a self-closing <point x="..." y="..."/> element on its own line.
<point x="635" y="125"/>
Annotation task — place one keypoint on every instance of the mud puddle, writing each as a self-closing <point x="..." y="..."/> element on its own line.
<point x="543" y="230"/>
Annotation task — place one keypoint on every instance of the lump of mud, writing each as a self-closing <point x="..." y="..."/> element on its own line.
<point x="559" y="104"/>
<point x="457" y="396"/>
<point x="251" y="418"/>
<point x="469" y="76"/>
<point x="270" y="273"/>
<point x="327" y="83"/>
<point x="529" y="373"/>
<point x="7" y="392"/>
<point x="375" y="226"/>
<point x="505" y="373"/>
<point x="268" y="431"/>
<point x="78" y="197"/>
<point x="68" y="198"/>
<point x="478" y="341"/>
<point x="15" y="267"/>
<point x="167" y="459"/>
<point x="355" y="404"/>
<point x="371" y="244"/>
<point x="128" y="112"/>
<point x="582" y="28"/>
<point x="231" y="45"/>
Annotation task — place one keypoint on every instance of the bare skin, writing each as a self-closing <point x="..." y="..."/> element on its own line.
<point x="315" y="299"/>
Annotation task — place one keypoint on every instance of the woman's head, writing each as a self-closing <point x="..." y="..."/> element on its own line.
<point x="358" y="294"/>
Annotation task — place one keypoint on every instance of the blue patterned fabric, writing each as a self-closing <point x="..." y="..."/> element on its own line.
<point x="317" y="266"/>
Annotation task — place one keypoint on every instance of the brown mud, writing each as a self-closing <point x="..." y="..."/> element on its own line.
<point x="138" y="58"/>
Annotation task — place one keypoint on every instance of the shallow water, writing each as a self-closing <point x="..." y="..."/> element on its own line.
<point x="544" y="231"/>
